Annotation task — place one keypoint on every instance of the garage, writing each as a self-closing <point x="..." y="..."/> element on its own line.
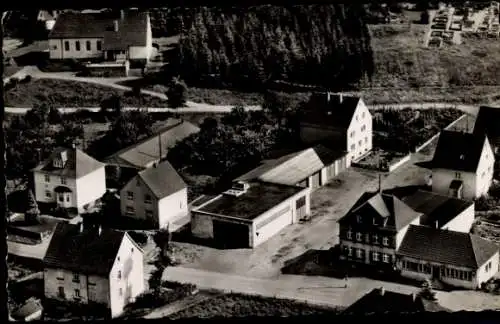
<point x="230" y="235"/>
<point x="272" y="224"/>
<point x="316" y="180"/>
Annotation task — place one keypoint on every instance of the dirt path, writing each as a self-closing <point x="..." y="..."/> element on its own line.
<point x="179" y="305"/>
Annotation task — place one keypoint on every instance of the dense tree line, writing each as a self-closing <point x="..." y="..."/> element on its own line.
<point x="314" y="44"/>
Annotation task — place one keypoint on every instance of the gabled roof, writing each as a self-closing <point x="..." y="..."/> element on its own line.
<point x="382" y="206"/>
<point x="379" y="301"/>
<point x="163" y="180"/>
<point x="147" y="152"/>
<point x="458" y="151"/>
<point x="488" y="122"/>
<point x="132" y="29"/>
<point x="328" y="109"/>
<point x="84" y="252"/>
<point x="295" y="167"/>
<point x="448" y="247"/>
<point x="78" y="163"/>
<point x="436" y="207"/>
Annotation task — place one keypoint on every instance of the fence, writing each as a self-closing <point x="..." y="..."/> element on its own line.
<point x="426" y="143"/>
<point x="389" y="168"/>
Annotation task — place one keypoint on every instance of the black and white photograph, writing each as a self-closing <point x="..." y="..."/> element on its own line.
<point x="234" y="161"/>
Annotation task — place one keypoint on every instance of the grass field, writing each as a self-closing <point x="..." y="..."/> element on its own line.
<point x="238" y="305"/>
<point x="63" y="93"/>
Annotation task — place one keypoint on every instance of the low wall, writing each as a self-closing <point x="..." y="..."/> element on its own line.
<point x="107" y="70"/>
<point x="399" y="163"/>
<point x="391" y="167"/>
<point x="24" y="233"/>
<point x="421" y="147"/>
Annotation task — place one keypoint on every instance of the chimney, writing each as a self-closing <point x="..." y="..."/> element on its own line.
<point x="328" y="94"/>
<point x="100" y="230"/>
<point x="341" y="97"/>
<point x="81" y="227"/>
<point x="437" y="224"/>
<point x="115" y="25"/>
<point x="382" y="291"/>
<point x="414" y="296"/>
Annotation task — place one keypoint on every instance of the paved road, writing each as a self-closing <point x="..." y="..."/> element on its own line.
<point x="179" y="305"/>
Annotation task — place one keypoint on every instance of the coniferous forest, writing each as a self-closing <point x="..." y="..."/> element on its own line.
<point x="326" y="45"/>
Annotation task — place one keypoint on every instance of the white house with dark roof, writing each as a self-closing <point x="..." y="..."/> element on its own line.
<point x="462" y="165"/>
<point x="157" y="195"/>
<point x="69" y="178"/>
<point x="338" y="121"/>
<point x="455" y="258"/>
<point x="93" y="266"/>
<point x="97" y="36"/>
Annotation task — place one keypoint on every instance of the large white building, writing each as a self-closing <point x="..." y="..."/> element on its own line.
<point x="463" y="165"/>
<point x="93" y="266"/>
<point x="157" y="196"/>
<point x="69" y="178"/>
<point x="98" y="36"/>
<point x="339" y="121"/>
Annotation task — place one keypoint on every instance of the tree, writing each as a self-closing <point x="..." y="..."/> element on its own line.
<point x="69" y="134"/>
<point x="162" y="240"/>
<point x="32" y="212"/>
<point x="426" y="291"/>
<point x="176" y="93"/>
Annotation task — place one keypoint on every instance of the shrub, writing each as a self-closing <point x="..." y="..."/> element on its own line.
<point x="485" y="203"/>
<point x="61" y="212"/>
<point x="26" y="79"/>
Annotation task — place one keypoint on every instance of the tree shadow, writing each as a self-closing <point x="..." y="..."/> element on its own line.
<point x="184" y="235"/>
<point x="16" y="201"/>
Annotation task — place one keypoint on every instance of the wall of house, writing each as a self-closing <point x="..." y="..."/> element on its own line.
<point x="483" y="275"/>
<point x="485" y="169"/>
<point x="462" y="222"/>
<point x="172" y="207"/>
<point x="314" y="133"/>
<point x="140" y="189"/>
<point x="126" y="279"/>
<point x="361" y="131"/>
<point x="143" y="52"/>
<point x="402" y="232"/>
<point x="41" y="187"/>
<point x="91" y="187"/>
<point x="57" y="49"/>
<point x="91" y="287"/>
<point x="442" y="178"/>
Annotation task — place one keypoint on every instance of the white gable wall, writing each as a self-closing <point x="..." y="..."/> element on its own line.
<point x="172" y="207"/>
<point x="58" y="51"/>
<point x="483" y="275"/>
<point x="462" y="222"/>
<point x="91" y="187"/>
<point x="442" y="178"/>
<point x="359" y="133"/>
<point x="484" y="173"/>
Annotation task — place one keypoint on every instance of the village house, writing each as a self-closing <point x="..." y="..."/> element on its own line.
<point x="249" y="213"/>
<point x="93" y="266"/>
<point x="48" y="17"/>
<point x="338" y="121"/>
<point x="156" y="195"/>
<point x="383" y="301"/>
<point x="312" y="167"/>
<point x="373" y="229"/>
<point x="132" y="159"/>
<point x="462" y="165"/>
<point x="70" y="179"/>
<point x="98" y="36"/>
<point x="455" y="258"/>
<point x="487" y="124"/>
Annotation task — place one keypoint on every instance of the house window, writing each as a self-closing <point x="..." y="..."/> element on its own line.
<point x="458" y="175"/>
<point x="63" y="180"/>
<point x="352" y="133"/>
<point x="483" y="174"/>
<point x="88" y="45"/>
<point x="359" y="236"/>
<point x="149" y="213"/>
<point x="130" y="195"/>
<point x="349" y="250"/>
<point x="76" y="277"/>
<point x="132" y="250"/>
<point x="119" y="274"/>
<point x="375" y="239"/>
<point x="61" y="198"/>
<point x="180" y="204"/>
<point x="385" y="241"/>
<point x="366" y="139"/>
<point x="359" y="253"/>
<point x="60" y="291"/>
<point x="99" y="45"/>
<point x="48" y="194"/>
<point x="353" y="146"/>
<point x="375" y="256"/>
<point x="66" y="46"/>
<point x="360" y="142"/>
<point x="363" y="114"/>
<point x="47" y="178"/>
<point x="374" y="220"/>
<point x="147" y="199"/>
<point x="349" y="235"/>
<point x="77" y="293"/>
<point x="358" y="218"/>
<point x="363" y="128"/>
<point x="386" y="258"/>
<point x="67" y="198"/>
<point x="121" y="292"/>
<point x="367" y="238"/>
<point x="130" y="210"/>
<point x="77" y="45"/>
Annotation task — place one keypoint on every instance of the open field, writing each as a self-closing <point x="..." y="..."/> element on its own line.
<point x="239" y="305"/>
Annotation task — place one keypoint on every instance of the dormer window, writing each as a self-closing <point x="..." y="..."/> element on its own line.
<point x="375" y="222"/>
<point x="358" y="218"/>
<point x="375" y="239"/>
<point x="462" y="157"/>
<point x="359" y="236"/>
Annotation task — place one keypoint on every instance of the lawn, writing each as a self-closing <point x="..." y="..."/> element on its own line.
<point x="239" y="305"/>
<point x="403" y="130"/>
<point x="64" y="93"/>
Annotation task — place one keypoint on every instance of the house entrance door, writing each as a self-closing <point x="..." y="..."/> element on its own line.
<point x="436" y="272"/>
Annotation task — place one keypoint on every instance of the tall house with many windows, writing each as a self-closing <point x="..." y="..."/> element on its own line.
<point x="338" y="121"/>
<point x="70" y="179"/>
<point x="374" y="228"/>
<point x="102" y="268"/>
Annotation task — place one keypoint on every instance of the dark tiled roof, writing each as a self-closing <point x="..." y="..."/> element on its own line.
<point x="293" y="168"/>
<point x="458" y="151"/>
<point x="448" y="247"/>
<point x="132" y="30"/>
<point x="163" y="180"/>
<point x="327" y="109"/>
<point x="381" y="206"/>
<point x="146" y="152"/>
<point x="78" y="163"/>
<point x="258" y="199"/>
<point x="378" y="302"/>
<point x="85" y="252"/>
<point x="436" y="207"/>
<point x="488" y="122"/>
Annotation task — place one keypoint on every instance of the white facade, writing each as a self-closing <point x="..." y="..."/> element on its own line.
<point x="360" y="133"/>
<point x="45" y="183"/>
<point x="139" y="202"/>
<point x="462" y="222"/>
<point x="76" y="48"/>
<point x="143" y="52"/>
<point x="91" y="187"/>
<point x="475" y="184"/>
